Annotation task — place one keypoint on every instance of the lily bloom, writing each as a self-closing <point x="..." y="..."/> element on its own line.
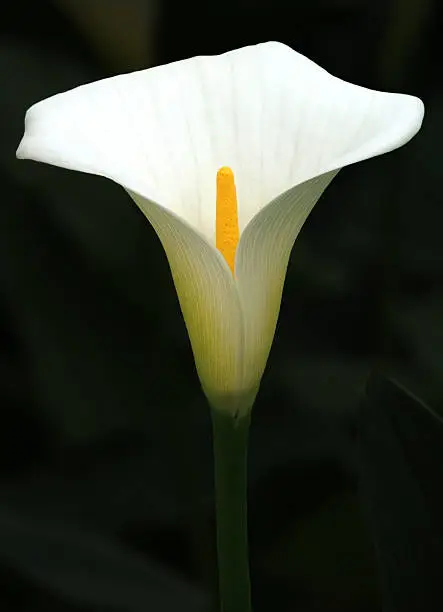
<point x="226" y="157"/>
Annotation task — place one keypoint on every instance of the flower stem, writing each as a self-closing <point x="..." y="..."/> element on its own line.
<point x="230" y="439"/>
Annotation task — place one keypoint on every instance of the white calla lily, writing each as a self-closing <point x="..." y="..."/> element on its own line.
<point x="283" y="124"/>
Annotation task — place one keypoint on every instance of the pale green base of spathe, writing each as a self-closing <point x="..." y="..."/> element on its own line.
<point x="237" y="404"/>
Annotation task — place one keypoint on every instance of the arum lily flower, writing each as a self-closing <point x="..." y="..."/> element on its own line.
<point x="226" y="157"/>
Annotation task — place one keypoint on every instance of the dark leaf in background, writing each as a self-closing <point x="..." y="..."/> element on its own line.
<point x="91" y="570"/>
<point x="401" y="443"/>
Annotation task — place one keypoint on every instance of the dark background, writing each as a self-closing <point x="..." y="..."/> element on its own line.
<point x="106" y="499"/>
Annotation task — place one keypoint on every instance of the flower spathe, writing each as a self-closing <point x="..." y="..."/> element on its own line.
<point x="283" y="125"/>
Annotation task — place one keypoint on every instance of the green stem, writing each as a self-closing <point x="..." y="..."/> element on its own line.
<point x="230" y="438"/>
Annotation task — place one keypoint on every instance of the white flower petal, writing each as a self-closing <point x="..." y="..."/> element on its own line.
<point x="330" y="124"/>
<point x="262" y="259"/>
<point x="316" y="122"/>
<point x="276" y="118"/>
<point x="209" y="302"/>
<point x="283" y="124"/>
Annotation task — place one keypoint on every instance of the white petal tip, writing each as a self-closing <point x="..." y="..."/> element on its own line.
<point x="417" y="113"/>
<point x="31" y="131"/>
<point x="20" y="153"/>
